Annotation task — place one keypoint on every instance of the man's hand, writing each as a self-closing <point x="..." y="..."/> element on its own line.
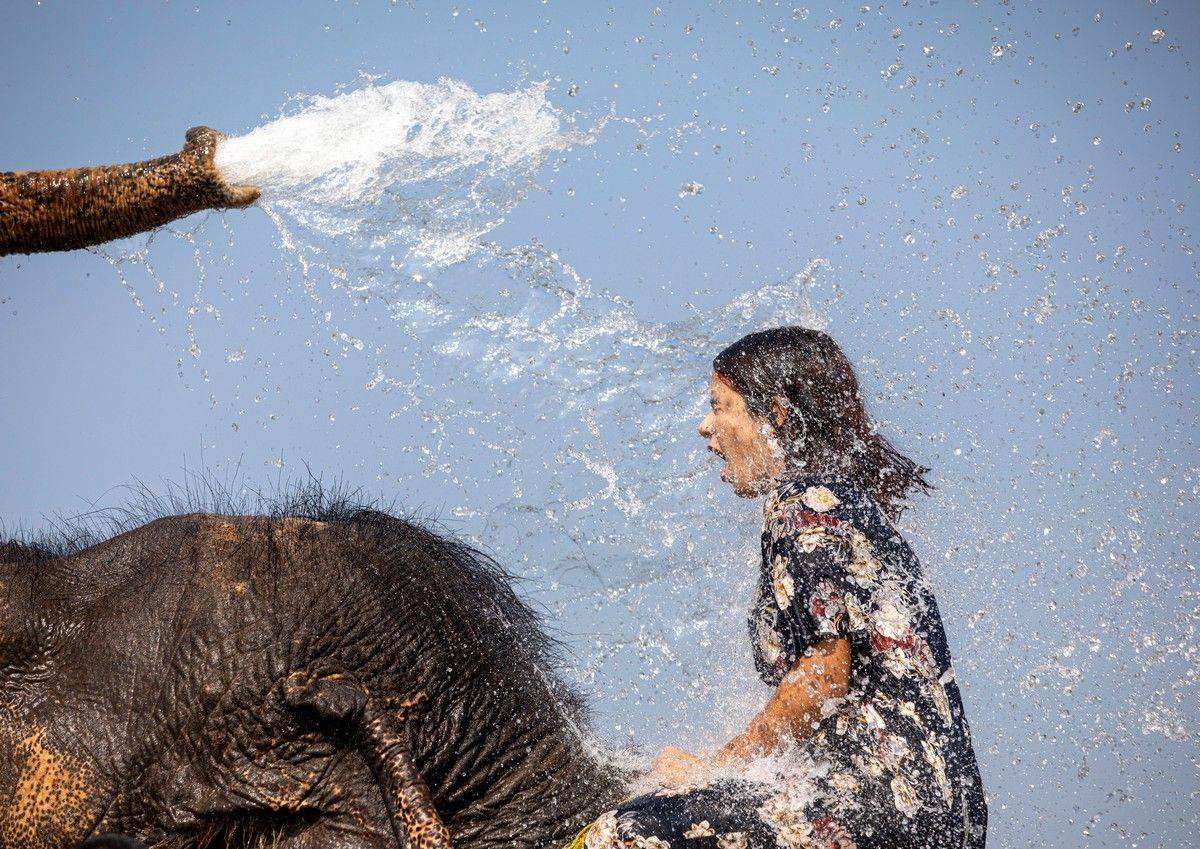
<point x="674" y="767"/>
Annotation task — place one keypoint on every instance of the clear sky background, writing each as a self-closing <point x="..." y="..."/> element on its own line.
<point x="1005" y="198"/>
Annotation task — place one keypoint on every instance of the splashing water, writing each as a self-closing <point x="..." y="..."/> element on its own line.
<point x="411" y="171"/>
<point x="562" y="427"/>
<point x="556" y="419"/>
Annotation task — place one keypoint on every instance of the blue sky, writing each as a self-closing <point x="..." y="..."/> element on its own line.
<point x="1005" y="197"/>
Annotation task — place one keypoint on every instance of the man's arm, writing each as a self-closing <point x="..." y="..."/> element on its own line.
<point x="791" y="714"/>
<point x="794" y="709"/>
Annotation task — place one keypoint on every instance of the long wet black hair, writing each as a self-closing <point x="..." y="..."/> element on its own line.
<point x="825" y="429"/>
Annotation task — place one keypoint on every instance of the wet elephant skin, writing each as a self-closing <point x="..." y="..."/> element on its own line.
<point x="147" y="688"/>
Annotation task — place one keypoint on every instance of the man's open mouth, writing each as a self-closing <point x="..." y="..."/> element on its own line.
<point x="724" y="468"/>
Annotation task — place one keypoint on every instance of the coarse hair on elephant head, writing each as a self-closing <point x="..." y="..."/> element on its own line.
<point x="315" y="674"/>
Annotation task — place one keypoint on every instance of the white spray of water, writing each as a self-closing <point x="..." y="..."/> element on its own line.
<point x="412" y="170"/>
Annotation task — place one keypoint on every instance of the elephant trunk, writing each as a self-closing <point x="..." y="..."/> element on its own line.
<point x="77" y="207"/>
<point x="50" y="798"/>
<point x="380" y="729"/>
<point x="385" y="744"/>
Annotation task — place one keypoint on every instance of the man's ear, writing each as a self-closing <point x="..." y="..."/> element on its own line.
<point x="779" y="408"/>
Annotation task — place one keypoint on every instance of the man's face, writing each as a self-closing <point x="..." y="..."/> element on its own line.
<point x="745" y="442"/>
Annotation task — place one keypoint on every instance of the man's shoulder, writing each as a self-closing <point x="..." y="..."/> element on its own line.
<point x="821" y="493"/>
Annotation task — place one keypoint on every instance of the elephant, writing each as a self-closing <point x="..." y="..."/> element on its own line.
<point x="316" y="676"/>
<point x="79" y="207"/>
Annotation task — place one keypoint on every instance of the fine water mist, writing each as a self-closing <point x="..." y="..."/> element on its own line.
<point x="400" y="172"/>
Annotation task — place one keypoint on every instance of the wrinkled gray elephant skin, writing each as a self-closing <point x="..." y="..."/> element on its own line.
<point x="320" y="679"/>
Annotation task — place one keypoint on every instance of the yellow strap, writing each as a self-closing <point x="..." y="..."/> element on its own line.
<point x="577" y="843"/>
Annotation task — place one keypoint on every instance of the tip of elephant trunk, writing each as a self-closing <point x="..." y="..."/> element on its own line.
<point x="204" y="144"/>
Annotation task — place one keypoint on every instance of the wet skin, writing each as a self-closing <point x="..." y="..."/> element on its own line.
<point x="744" y="441"/>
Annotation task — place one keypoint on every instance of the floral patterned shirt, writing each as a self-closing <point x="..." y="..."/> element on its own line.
<point x="890" y="764"/>
<point x="833" y="565"/>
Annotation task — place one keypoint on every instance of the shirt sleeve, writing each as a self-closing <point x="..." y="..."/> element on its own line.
<point x="810" y="554"/>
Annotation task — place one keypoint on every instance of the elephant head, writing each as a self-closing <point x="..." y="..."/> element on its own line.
<point x="77" y="207"/>
<point x="342" y="680"/>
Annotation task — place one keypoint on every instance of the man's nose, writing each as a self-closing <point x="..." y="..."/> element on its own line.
<point x="705" y="429"/>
